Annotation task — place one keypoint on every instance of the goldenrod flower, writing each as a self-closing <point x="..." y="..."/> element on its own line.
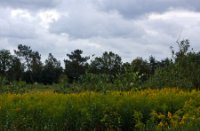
<point x="161" y="116"/>
<point x="169" y="114"/>
<point x="161" y="124"/>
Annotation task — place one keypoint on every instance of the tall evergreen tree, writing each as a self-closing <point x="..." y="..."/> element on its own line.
<point x="5" y="61"/>
<point x="52" y="70"/>
<point x="75" y="65"/>
<point x="31" y="61"/>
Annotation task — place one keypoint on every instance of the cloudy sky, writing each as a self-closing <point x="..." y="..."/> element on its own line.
<point x="129" y="28"/>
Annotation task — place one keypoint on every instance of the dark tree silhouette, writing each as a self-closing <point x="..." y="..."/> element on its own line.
<point x="51" y="70"/>
<point x="75" y="65"/>
<point x="109" y="63"/>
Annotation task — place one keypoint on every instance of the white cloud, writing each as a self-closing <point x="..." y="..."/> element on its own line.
<point x="17" y="23"/>
<point x="47" y="17"/>
<point x="173" y="24"/>
<point x="133" y="28"/>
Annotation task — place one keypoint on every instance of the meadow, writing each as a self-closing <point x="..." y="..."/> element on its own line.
<point x="143" y="110"/>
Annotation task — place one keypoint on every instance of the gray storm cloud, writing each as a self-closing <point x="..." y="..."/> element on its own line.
<point x="132" y="28"/>
<point x="30" y="4"/>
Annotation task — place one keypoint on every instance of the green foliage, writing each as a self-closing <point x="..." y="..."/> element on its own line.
<point x="5" y="61"/>
<point x="109" y="63"/>
<point x="166" y="109"/>
<point x="142" y="67"/>
<point x="106" y="72"/>
<point x="14" y="87"/>
<point x="75" y="65"/>
<point x="101" y="82"/>
<point x="183" y="72"/>
<point x="32" y="63"/>
<point x="95" y="82"/>
<point x="168" y="77"/>
<point x="51" y="71"/>
<point x="128" y="80"/>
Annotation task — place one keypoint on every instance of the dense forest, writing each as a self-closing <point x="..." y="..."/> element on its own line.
<point x="181" y="70"/>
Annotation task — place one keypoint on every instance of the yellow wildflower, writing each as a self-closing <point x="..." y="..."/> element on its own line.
<point x="161" y="124"/>
<point x="182" y="122"/>
<point x="169" y="115"/>
<point x="193" y="117"/>
<point x="161" y="116"/>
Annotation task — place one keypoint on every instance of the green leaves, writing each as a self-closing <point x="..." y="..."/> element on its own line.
<point x="164" y="109"/>
<point x="75" y="65"/>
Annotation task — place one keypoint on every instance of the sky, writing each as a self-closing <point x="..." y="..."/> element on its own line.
<point x="130" y="28"/>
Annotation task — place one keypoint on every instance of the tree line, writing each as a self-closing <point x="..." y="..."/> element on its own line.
<point x="181" y="70"/>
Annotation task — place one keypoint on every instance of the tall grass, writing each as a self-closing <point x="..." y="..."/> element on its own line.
<point x="166" y="109"/>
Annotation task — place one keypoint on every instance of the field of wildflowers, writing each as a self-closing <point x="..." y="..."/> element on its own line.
<point x="150" y="109"/>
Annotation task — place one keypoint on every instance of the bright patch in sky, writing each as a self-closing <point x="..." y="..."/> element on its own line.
<point x="48" y="17"/>
<point x="21" y="14"/>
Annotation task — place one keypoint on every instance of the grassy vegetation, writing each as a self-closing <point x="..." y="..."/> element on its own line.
<point x="150" y="109"/>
